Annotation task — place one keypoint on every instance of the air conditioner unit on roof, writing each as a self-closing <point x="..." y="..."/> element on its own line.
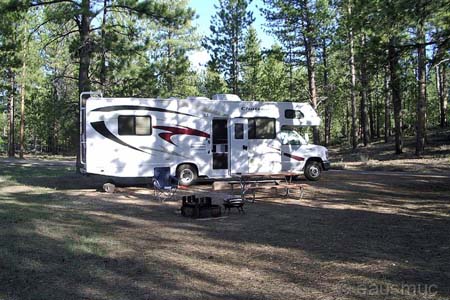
<point x="226" y="97"/>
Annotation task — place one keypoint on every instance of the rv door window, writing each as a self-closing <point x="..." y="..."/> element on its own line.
<point x="134" y="125"/>
<point x="261" y="128"/>
<point x="239" y="131"/>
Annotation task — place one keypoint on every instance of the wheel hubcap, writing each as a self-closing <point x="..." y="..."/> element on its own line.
<point x="314" y="171"/>
<point x="186" y="176"/>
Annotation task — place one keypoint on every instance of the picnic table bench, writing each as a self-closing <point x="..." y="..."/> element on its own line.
<point x="253" y="182"/>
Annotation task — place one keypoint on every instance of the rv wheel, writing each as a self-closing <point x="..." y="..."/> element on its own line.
<point x="313" y="170"/>
<point x="187" y="174"/>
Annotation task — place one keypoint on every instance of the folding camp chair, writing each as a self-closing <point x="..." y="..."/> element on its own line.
<point x="164" y="184"/>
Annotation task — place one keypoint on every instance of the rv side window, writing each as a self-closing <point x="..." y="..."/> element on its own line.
<point x="239" y="131"/>
<point x="261" y="128"/>
<point x="135" y="125"/>
<point x="126" y="125"/>
<point x="293" y="114"/>
<point x="143" y="126"/>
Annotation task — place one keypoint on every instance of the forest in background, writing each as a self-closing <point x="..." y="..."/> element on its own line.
<point x="373" y="69"/>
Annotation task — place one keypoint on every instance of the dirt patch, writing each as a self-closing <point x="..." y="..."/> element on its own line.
<point x="381" y="156"/>
<point x="353" y="236"/>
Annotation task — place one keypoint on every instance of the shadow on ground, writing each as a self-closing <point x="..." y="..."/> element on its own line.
<point x="350" y="235"/>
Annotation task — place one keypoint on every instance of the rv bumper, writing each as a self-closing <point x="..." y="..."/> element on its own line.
<point x="326" y="165"/>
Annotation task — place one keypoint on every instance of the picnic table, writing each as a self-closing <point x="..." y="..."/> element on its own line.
<point x="252" y="182"/>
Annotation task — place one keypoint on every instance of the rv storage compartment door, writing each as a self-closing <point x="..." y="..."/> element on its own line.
<point x="238" y="133"/>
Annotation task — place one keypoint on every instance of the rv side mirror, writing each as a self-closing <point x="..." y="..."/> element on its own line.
<point x="307" y="138"/>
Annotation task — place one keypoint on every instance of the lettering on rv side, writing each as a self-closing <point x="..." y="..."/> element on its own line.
<point x="248" y="108"/>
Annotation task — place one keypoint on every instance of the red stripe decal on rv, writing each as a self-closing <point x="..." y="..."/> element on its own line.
<point x="299" y="158"/>
<point x="167" y="136"/>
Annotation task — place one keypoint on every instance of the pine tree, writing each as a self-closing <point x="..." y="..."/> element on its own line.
<point x="251" y="66"/>
<point x="10" y="62"/>
<point x="82" y="14"/>
<point x="226" y="44"/>
<point x="212" y="81"/>
<point x="273" y="82"/>
<point x="296" y="24"/>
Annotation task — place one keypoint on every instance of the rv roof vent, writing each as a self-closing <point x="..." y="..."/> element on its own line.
<point x="226" y="97"/>
<point x="197" y="98"/>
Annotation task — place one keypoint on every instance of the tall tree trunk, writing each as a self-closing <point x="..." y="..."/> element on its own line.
<point x="22" y="108"/>
<point x="11" y="139"/>
<point x="103" y="43"/>
<point x="235" y="54"/>
<point x="354" y="138"/>
<point x="377" y="115"/>
<point x="393" y="58"/>
<point x="422" y="93"/>
<point x="85" y="49"/>
<point x="441" y="82"/>
<point x="371" y="114"/>
<point x="347" y="122"/>
<point x="364" y="98"/>
<point x="327" y="100"/>
<point x="291" y="74"/>
<point x="170" y="73"/>
<point x="387" y="105"/>
<point x="311" y="59"/>
<point x="85" y="55"/>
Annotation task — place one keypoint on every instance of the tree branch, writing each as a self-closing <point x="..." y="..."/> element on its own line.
<point x="415" y="45"/>
<point x="39" y="3"/>
<point x="61" y="36"/>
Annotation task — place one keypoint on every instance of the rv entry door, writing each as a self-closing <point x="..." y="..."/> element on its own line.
<point x="238" y="145"/>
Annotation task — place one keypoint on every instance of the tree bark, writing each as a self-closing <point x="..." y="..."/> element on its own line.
<point x="291" y="73"/>
<point x="22" y="108"/>
<point x="85" y="54"/>
<point x="170" y="71"/>
<point x="11" y="139"/>
<point x="393" y="58"/>
<point x="327" y="101"/>
<point x="103" y="55"/>
<point x="441" y="82"/>
<point x="387" y="105"/>
<point x="354" y="138"/>
<point x="377" y="115"/>
<point x="235" y="55"/>
<point x="364" y="98"/>
<point x="347" y="122"/>
<point x="422" y="93"/>
<point x="310" y="60"/>
<point x="372" y="117"/>
<point x="309" y="43"/>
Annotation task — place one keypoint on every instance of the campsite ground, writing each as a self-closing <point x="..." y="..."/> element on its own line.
<point x="355" y="235"/>
<point x="379" y="156"/>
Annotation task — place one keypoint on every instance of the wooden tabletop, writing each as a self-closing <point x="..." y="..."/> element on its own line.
<point x="266" y="174"/>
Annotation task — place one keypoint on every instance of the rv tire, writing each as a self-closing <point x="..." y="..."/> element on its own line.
<point x="187" y="174"/>
<point x="313" y="170"/>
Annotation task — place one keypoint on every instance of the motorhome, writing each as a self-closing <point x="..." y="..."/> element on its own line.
<point x="197" y="137"/>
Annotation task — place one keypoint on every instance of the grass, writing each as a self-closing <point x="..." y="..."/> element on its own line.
<point x="352" y="237"/>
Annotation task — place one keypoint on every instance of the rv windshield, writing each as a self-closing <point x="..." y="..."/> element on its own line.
<point x="289" y="136"/>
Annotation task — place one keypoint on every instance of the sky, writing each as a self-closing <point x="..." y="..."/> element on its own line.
<point x="205" y="11"/>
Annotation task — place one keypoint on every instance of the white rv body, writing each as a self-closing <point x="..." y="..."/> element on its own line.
<point x="129" y="137"/>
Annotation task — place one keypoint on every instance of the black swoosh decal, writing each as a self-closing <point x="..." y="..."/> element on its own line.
<point x="100" y="127"/>
<point x="137" y="107"/>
